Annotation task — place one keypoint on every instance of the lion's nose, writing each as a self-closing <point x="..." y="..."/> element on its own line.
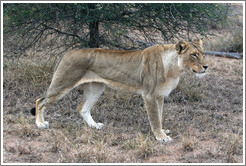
<point x="205" y="67"/>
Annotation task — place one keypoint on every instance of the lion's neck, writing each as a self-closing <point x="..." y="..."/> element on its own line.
<point x="171" y="65"/>
<point x="172" y="71"/>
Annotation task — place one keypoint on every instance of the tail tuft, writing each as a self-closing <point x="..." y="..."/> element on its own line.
<point x="33" y="111"/>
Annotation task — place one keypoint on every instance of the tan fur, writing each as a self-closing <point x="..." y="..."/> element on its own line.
<point x="153" y="72"/>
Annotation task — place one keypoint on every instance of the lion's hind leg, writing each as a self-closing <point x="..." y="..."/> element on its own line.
<point x="44" y="103"/>
<point x="39" y="111"/>
<point x="92" y="92"/>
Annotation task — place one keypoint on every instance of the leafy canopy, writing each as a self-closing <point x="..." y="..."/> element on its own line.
<point x="107" y="24"/>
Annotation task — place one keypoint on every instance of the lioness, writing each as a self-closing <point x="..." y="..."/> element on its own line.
<point x="153" y="72"/>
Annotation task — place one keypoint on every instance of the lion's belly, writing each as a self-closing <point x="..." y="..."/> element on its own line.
<point x="169" y="86"/>
<point x="93" y="77"/>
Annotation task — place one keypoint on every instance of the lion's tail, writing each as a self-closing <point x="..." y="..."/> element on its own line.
<point x="33" y="111"/>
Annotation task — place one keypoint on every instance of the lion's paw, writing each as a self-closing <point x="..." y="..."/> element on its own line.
<point x="98" y="126"/>
<point x="167" y="139"/>
<point x="166" y="131"/>
<point x="44" y="125"/>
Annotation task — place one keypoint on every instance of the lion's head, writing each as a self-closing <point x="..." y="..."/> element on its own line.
<point x="191" y="57"/>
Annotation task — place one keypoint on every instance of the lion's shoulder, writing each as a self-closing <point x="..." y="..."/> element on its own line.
<point x="159" y="49"/>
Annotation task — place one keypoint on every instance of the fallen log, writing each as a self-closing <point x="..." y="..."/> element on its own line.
<point x="225" y="54"/>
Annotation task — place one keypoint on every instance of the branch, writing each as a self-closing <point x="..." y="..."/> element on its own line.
<point x="64" y="33"/>
<point x="37" y="37"/>
<point x="225" y="54"/>
<point x="138" y="41"/>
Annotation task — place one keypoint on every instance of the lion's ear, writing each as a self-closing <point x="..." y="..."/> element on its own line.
<point x="198" y="42"/>
<point x="181" y="46"/>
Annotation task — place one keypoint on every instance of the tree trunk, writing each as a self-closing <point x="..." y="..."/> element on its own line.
<point x="94" y="34"/>
<point x="93" y="27"/>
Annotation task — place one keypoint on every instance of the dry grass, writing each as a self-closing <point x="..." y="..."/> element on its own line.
<point x="204" y="115"/>
<point x="229" y="37"/>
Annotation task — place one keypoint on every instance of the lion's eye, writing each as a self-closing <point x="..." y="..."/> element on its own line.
<point x="194" y="55"/>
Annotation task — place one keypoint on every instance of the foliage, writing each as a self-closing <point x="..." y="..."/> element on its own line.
<point x="80" y="25"/>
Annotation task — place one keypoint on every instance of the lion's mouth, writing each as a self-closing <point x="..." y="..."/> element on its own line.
<point x="198" y="72"/>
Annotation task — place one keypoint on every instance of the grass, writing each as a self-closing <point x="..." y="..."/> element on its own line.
<point x="198" y="111"/>
<point x="189" y="140"/>
<point x="230" y="37"/>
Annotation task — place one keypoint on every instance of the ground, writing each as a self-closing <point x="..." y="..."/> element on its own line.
<point x="205" y="117"/>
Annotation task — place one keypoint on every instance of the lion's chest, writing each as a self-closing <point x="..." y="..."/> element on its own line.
<point x="169" y="85"/>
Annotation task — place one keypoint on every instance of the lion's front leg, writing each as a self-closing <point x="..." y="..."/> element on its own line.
<point x="160" y="102"/>
<point x="154" y="111"/>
